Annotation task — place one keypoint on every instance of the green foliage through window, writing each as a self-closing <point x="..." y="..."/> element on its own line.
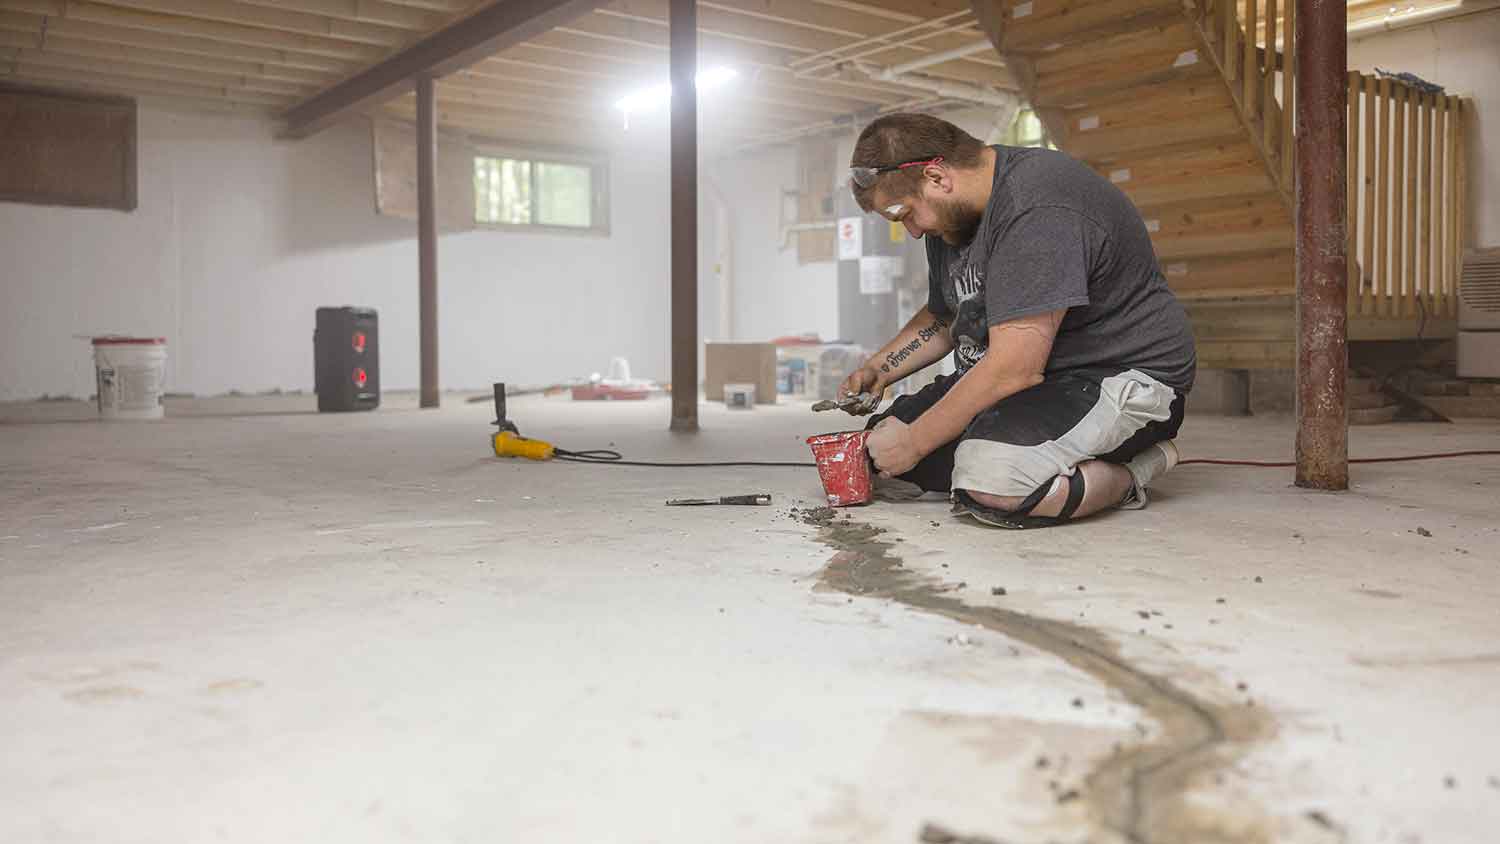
<point x="527" y="192"/>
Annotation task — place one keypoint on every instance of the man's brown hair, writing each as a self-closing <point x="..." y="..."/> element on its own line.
<point x="906" y="136"/>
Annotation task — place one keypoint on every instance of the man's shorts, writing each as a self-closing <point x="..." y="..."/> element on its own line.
<point x="1026" y="440"/>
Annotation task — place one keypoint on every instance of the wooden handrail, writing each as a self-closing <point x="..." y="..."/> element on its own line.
<point x="1405" y="164"/>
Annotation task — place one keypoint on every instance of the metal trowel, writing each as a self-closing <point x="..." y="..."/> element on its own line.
<point x="856" y="405"/>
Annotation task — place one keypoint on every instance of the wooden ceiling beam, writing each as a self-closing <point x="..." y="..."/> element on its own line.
<point x="269" y="58"/>
<point x="593" y="77"/>
<point x="858" y="28"/>
<point x="641" y="32"/>
<point x="86" y="10"/>
<point x="378" y="12"/>
<point x="456" y="46"/>
<point x="162" y="73"/>
<point x="241" y="14"/>
<point x="905" y="11"/>
<point x="183" y="63"/>
<point x="803" y="41"/>
<point x="578" y="100"/>
<point x="120" y="83"/>
<point x="449" y="7"/>
<point x="638" y="65"/>
<point x="843" y="22"/>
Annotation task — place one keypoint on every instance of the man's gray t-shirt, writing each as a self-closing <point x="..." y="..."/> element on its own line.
<point x="1058" y="235"/>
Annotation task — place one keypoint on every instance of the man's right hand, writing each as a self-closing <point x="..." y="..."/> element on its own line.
<point x="866" y="379"/>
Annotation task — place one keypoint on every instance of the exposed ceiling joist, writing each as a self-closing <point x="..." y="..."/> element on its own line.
<point x="459" y="45"/>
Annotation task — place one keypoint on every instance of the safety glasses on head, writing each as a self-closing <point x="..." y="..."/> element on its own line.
<point x="863" y="177"/>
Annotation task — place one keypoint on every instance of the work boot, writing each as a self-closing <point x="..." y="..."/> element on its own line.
<point x="1157" y="460"/>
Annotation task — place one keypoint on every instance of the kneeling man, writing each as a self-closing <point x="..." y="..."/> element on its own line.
<point x="1073" y="357"/>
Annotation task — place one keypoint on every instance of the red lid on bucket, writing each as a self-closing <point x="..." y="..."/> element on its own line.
<point x="112" y="340"/>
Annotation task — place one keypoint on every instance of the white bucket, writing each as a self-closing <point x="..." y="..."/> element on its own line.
<point x="129" y="372"/>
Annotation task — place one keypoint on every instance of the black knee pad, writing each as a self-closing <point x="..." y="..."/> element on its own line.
<point x="1021" y="518"/>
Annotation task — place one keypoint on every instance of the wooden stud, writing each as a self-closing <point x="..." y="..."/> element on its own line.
<point x="1383" y="191"/>
<point x="1231" y="29"/>
<point x="1425" y="213"/>
<point x="1370" y="233"/>
<point x="1460" y="194"/>
<point x="1439" y="237"/>
<point x="1409" y="302"/>
<point x="1268" y="77"/>
<point x="1351" y="190"/>
<point x="1288" y="88"/>
<point x="1251" y="77"/>
<point x="1398" y="199"/>
<point x="1450" y="198"/>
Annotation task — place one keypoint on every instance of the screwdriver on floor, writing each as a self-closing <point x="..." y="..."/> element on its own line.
<point x="762" y="498"/>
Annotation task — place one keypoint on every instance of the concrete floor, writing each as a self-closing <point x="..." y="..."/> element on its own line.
<point x="254" y="623"/>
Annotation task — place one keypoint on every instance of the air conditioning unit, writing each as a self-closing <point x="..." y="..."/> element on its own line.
<point x="1479" y="315"/>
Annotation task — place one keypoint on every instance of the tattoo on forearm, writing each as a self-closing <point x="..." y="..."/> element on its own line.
<point x="925" y="335"/>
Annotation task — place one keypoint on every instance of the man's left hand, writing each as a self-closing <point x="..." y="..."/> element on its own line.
<point x="893" y="448"/>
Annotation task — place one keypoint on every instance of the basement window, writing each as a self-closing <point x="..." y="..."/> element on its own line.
<point x="548" y="192"/>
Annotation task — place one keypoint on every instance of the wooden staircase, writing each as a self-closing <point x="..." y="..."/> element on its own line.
<point x="1180" y="103"/>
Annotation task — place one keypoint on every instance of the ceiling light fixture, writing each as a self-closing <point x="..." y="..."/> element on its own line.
<point x="650" y="98"/>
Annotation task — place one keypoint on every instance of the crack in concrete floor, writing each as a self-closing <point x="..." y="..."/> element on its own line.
<point x="1141" y="793"/>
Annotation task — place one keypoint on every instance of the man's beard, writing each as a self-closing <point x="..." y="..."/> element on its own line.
<point x="957" y="225"/>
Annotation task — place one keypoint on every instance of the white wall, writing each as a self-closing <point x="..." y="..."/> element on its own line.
<point x="1463" y="55"/>
<point x="239" y="237"/>
<point x="773" y="295"/>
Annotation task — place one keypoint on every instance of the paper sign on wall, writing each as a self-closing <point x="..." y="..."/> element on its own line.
<point x="851" y="238"/>
<point x="878" y="273"/>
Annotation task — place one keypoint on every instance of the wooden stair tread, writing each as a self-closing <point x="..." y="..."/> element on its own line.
<point x="1220" y="226"/>
<point x="1105" y="85"/>
<point x="1179" y="111"/>
<point x="1188" y="172"/>
<point x="1148" y="45"/>
<point x="1168" y="51"/>
<point x="1217" y="277"/>
<point x="1044" y="26"/>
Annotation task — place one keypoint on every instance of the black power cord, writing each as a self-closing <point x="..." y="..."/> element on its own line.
<point x="610" y="457"/>
<point x="614" y="458"/>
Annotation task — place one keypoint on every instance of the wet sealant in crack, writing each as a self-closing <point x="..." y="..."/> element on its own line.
<point x="1140" y="793"/>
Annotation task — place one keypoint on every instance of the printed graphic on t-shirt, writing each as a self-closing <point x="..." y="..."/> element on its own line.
<point x="964" y="295"/>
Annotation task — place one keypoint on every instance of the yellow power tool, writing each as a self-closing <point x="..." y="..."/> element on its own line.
<point x="508" y="444"/>
<point x="508" y="441"/>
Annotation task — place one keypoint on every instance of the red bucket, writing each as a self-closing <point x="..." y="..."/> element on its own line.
<point x="844" y="466"/>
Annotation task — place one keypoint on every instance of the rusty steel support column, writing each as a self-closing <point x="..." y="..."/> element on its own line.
<point x="684" y="49"/>
<point x="1322" y="259"/>
<point x="427" y="238"/>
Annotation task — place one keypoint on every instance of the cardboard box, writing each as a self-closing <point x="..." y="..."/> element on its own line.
<point x="751" y="363"/>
